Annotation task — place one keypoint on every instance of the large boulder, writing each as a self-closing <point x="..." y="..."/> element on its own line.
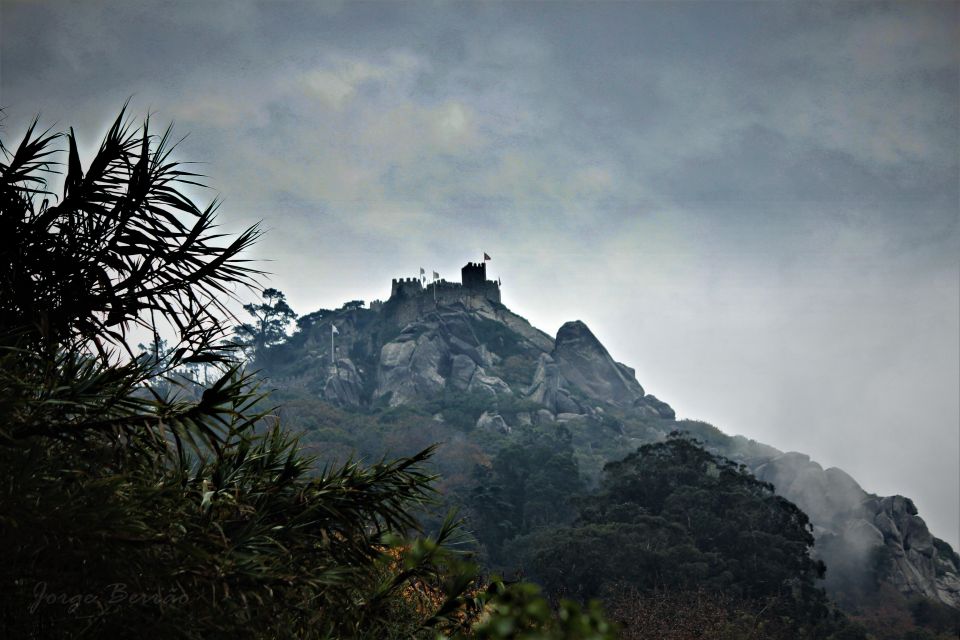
<point x="453" y="325"/>
<point x="549" y="388"/>
<point x="492" y="422"/>
<point x="654" y="407"/>
<point x="827" y="497"/>
<point x="841" y="510"/>
<point x="462" y="368"/>
<point x="490" y="386"/>
<point x="588" y="367"/>
<point x="343" y="384"/>
<point x="409" y="367"/>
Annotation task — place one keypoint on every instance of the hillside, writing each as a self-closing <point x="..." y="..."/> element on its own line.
<point x="449" y="362"/>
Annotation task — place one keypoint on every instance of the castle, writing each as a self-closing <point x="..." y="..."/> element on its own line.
<point x="473" y="285"/>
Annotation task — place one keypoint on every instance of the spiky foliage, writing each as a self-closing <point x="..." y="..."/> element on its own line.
<point x="125" y="510"/>
<point x="123" y="245"/>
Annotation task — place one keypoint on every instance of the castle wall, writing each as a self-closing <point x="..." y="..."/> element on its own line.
<point x="409" y="287"/>
<point x="410" y="299"/>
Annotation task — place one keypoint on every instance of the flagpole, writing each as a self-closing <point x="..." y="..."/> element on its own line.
<point x="332" y="360"/>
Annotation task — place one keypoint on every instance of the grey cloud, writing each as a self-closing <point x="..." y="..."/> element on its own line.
<point x="693" y="179"/>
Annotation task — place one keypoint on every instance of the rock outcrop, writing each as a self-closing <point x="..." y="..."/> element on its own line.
<point x="921" y="563"/>
<point x="460" y="347"/>
<point x="415" y="348"/>
<point x="588" y="367"/>
<point x="549" y="388"/>
<point x="852" y="526"/>
<point x="409" y="367"/>
<point x="651" y="406"/>
<point x="440" y="351"/>
<point x="343" y="385"/>
<point x="827" y="496"/>
<point x="492" y="422"/>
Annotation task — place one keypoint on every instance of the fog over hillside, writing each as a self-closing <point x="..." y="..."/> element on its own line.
<point x="753" y="205"/>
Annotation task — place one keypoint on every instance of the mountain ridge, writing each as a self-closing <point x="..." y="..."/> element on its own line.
<point x="458" y="341"/>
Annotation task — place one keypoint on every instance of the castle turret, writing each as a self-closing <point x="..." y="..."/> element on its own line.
<point x="410" y="299"/>
<point x="406" y="287"/>
<point x="474" y="275"/>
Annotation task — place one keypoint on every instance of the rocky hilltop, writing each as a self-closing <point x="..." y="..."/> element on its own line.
<point x="458" y="342"/>
<point x="425" y="341"/>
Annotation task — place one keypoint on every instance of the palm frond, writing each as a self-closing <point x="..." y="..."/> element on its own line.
<point x="124" y="246"/>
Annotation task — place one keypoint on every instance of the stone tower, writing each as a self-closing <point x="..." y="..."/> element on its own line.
<point x="474" y="275"/>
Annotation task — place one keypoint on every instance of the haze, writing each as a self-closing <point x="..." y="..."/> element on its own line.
<point x="753" y="204"/>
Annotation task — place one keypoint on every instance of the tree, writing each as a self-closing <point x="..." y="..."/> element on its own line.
<point x="271" y="319"/>
<point x="305" y="322"/>
<point x="124" y="510"/>
<point x="122" y="248"/>
<point x="672" y="517"/>
<point x="530" y="484"/>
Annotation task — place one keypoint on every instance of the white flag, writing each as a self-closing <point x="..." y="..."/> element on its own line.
<point x="334" y="330"/>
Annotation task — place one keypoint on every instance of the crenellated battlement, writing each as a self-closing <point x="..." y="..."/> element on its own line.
<point x="405" y="287"/>
<point x="414" y="296"/>
<point x="474" y="274"/>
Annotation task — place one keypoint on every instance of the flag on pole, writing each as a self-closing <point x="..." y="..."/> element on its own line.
<point x="486" y="257"/>
<point x="436" y="276"/>
<point x="333" y="349"/>
<point x="422" y="271"/>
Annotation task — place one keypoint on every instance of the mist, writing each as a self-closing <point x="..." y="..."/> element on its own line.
<point x="755" y="206"/>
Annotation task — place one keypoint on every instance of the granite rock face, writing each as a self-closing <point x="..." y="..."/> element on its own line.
<point x="847" y="518"/>
<point x="549" y="388"/>
<point x="343" y="385"/>
<point x="463" y="347"/>
<point x="489" y="386"/>
<point x="438" y="352"/>
<point x="492" y="422"/>
<point x="654" y="407"/>
<point x="409" y="367"/>
<point x="579" y="376"/>
<point x="588" y="367"/>
<point x="414" y="349"/>
<point x="921" y="563"/>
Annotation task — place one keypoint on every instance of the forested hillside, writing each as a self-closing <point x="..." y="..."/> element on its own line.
<point x="423" y="468"/>
<point x="529" y="427"/>
<point x="139" y="501"/>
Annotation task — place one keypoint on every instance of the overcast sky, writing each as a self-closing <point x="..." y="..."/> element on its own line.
<point x="753" y="204"/>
